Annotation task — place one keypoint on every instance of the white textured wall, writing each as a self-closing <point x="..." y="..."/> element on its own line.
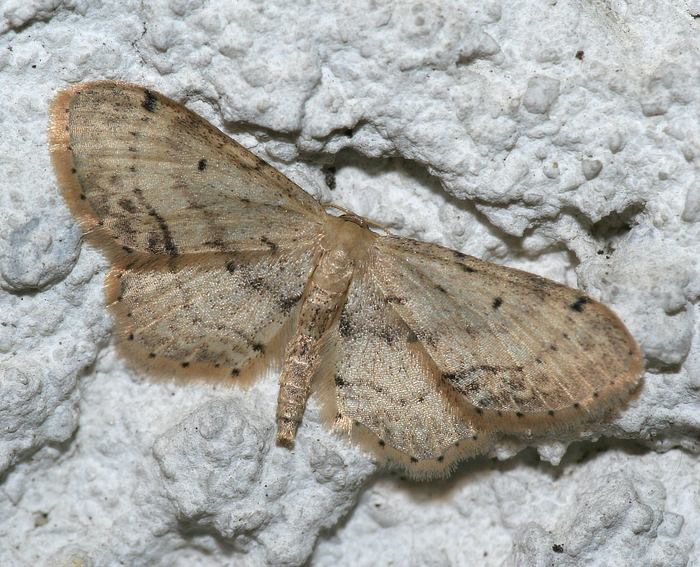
<point x="561" y="137"/>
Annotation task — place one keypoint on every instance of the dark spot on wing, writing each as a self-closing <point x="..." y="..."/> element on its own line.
<point x="185" y="364"/>
<point x="230" y="266"/>
<point x="515" y="381"/>
<point x="150" y="102"/>
<point x="427" y="338"/>
<point x="235" y="372"/>
<point x="286" y="303"/>
<point x="339" y="382"/>
<point x="485" y="402"/>
<point x="168" y="242"/>
<point x="128" y="205"/>
<point x="557" y="547"/>
<point x="153" y="242"/>
<point x="151" y="355"/>
<point x="202" y="164"/>
<point x="387" y="334"/>
<point x="258" y="347"/>
<point x="467" y="269"/>
<point x="344" y="325"/>
<point x="579" y="303"/>
<point x="414" y="460"/>
<point x="497" y="302"/>
<point x="216" y="243"/>
<point x="271" y="245"/>
<point x="257" y="283"/>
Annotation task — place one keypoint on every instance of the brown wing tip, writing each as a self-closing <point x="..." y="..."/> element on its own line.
<point x="59" y="141"/>
<point x="63" y="162"/>
<point x="60" y="107"/>
<point x="600" y="404"/>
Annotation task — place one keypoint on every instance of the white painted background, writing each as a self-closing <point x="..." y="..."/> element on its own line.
<point x="472" y="124"/>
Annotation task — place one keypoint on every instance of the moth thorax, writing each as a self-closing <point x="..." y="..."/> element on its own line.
<point x="345" y="246"/>
<point x="344" y="235"/>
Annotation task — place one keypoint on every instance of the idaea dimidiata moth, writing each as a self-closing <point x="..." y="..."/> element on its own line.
<point x="221" y="265"/>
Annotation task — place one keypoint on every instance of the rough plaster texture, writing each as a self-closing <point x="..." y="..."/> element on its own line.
<point x="557" y="136"/>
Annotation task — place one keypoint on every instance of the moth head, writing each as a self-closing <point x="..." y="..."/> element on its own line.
<point x="349" y="217"/>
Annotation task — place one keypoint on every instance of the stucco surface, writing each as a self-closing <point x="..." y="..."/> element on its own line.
<point x="561" y="137"/>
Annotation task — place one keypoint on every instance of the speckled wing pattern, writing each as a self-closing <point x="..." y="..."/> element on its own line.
<point x="438" y="350"/>
<point x="147" y="176"/>
<point x="517" y="347"/>
<point x="154" y="184"/>
<point x="221" y="264"/>
<point x="232" y="317"/>
<point x="386" y="388"/>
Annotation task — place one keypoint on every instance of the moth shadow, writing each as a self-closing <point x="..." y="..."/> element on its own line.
<point x="205" y="538"/>
<point x="577" y="454"/>
<point x="415" y="174"/>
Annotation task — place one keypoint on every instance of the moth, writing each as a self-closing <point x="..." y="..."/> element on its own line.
<point x="222" y="266"/>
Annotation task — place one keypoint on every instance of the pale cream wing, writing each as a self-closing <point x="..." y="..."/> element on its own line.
<point x="526" y="350"/>
<point x="145" y="175"/>
<point x="388" y="394"/>
<point x="215" y="317"/>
